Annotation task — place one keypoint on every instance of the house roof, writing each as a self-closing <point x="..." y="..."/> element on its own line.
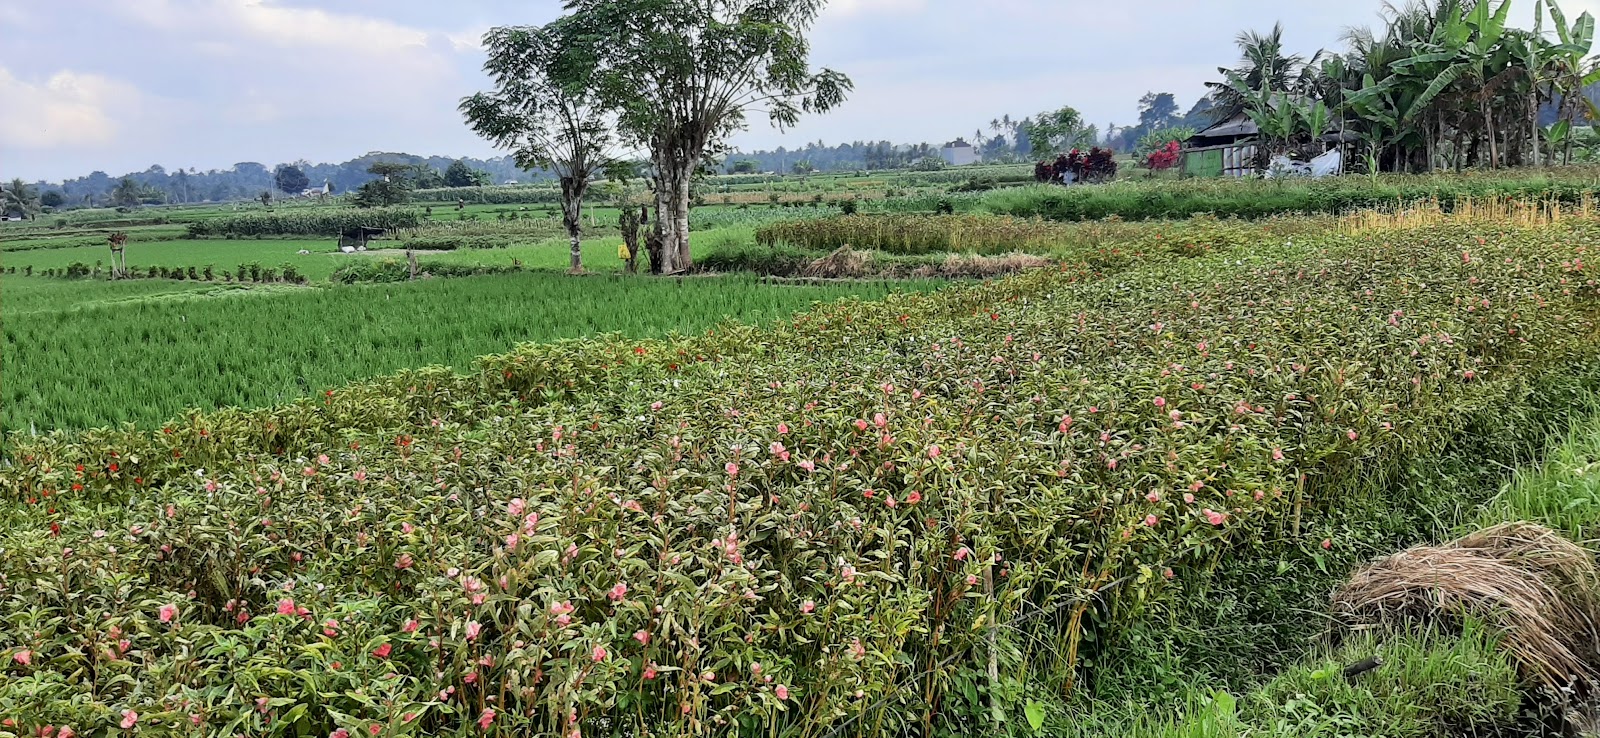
<point x="958" y="144"/>
<point x="1238" y="125"/>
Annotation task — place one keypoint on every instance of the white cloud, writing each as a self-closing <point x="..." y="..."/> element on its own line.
<point x="70" y="109"/>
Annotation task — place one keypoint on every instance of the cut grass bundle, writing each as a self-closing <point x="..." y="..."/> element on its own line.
<point x="1535" y="587"/>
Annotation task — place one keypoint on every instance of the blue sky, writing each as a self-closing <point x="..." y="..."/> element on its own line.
<point x="119" y="85"/>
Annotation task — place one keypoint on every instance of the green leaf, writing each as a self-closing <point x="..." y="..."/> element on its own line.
<point x="1035" y="713"/>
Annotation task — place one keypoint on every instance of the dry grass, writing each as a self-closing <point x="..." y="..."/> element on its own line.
<point x="1506" y="211"/>
<point x="1537" y="588"/>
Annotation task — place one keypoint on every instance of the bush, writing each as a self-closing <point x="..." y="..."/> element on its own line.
<point x="398" y="270"/>
<point x="313" y="223"/>
<point x="1023" y="471"/>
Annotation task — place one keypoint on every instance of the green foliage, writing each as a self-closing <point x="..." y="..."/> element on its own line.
<point x="312" y="223"/>
<point x="290" y="180"/>
<point x="836" y="514"/>
<point x="1430" y="684"/>
<point x="1158" y="139"/>
<point x="461" y="174"/>
<point x="1135" y="200"/>
<point x="216" y="346"/>
<point x="1058" y="131"/>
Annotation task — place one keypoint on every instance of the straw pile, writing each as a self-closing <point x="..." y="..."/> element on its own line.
<point x="1537" y="588"/>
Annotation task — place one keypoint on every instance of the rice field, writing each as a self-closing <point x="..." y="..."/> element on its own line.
<point x="84" y="353"/>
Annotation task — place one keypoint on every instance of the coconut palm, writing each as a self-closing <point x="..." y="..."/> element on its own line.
<point x="17" y="197"/>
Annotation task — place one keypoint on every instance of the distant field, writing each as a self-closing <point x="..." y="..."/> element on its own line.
<point x="101" y="353"/>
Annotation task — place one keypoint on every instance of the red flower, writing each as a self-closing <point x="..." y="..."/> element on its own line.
<point x="382" y="651"/>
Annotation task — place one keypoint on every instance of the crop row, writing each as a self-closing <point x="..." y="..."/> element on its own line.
<point x="321" y="222"/>
<point x="1157" y="199"/>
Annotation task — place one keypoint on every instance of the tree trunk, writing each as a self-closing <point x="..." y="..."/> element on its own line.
<point x="1488" y="129"/>
<point x="672" y="211"/>
<point x="1533" y="123"/>
<point x="572" y="191"/>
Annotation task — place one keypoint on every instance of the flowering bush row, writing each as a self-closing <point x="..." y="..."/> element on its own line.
<point x="853" y="520"/>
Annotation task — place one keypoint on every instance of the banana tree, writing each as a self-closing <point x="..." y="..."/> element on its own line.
<point x="1569" y="70"/>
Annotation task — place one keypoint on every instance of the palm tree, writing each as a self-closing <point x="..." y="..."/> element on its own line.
<point x="1262" y="67"/>
<point x="17" y="197"/>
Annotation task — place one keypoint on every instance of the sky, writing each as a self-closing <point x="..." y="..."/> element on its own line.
<point x="119" y="85"/>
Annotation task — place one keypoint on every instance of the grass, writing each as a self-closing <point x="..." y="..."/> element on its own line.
<point x="1563" y="492"/>
<point x="146" y="351"/>
<point x="1430" y="684"/>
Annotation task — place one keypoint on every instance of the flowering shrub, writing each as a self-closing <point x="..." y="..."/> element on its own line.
<point x="1095" y="165"/>
<point x="1165" y="157"/>
<point x="833" y="522"/>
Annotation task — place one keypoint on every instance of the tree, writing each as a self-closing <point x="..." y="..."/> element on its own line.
<point x="392" y="187"/>
<point x="52" y="199"/>
<point x="266" y="198"/>
<point x="290" y="180"/>
<point x="126" y="193"/>
<point x="745" y="166"/>
<point x="802" y="167"/>
<point x="461" y="174"/>
<point x="681" y="75"/>
<point x="18" y="197"/>
<point x="1157" y="110"/>
<point x="546" y="111"/>
<point x="1058" y="130"/>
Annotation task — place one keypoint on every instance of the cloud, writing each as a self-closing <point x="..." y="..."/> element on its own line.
<point x="69" y="109"/>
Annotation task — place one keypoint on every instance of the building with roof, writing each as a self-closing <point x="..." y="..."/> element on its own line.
<point x="958" y="152"/>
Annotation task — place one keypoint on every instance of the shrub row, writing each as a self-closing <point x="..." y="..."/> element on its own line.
<point x="723" y="534"/>
<point x="312" y="223"/>
<point x="492" y="195"/>
<point x="397" y="270"/>
<point x="1156" y="199"/>
<point x="913" y="233"/>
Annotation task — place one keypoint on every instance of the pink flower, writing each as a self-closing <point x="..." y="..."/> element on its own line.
<point x="1150" y="521"/>
<point x="972" y="579"/>
<point x="1161" y="402"/>
<point x="1188" y="498"/>
<point x="807" y="465"/>
<point x="1277" y="454"/>
<point x="808" y="607"/>
<point x="512" y="540"/>
<point x="340" y="733"/>
<point x="861" y="425"/>
<point x="473" y="629"/>
<point x="618" y="592"/>
<point x="1352" y="435"/>
<point x="782" y="692"/>
<point x="934" y="451"/>
<point x="962" y="553"/>
<point x="375" y="728"/>
<point x="598" y="654"/>
<point x="169" y="613"/>
<point x="486" y="718"/>
<point x="1153" y="497"/>
<point x="408" y="717"/>
<point x="285" y="606"/>
<point x="515" y="507"/>
<point x="732" y="468"/>
<point x="880" y="421"/>
<point x="322" y="459"/>
<point x="382" y="651"/>
<point x="361" y="475"/>
<point x="783" y="429"/>
<point x="330" y="628"/>
<point x="1213" y="517"/>
<point x="857" y="651"/>
<point x="643" y="637"/>
<point x="129" y="719"/>
<point x="913" y="497"/>
<point x="655" y="405"/>
<point x="66" y="732"/>
<point x="650" y="671"/>
<point x="410" y="626"/>
<point x="404" y="562"/>
<point x="1327" y="543"/>
<point x="24" y="657"/>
